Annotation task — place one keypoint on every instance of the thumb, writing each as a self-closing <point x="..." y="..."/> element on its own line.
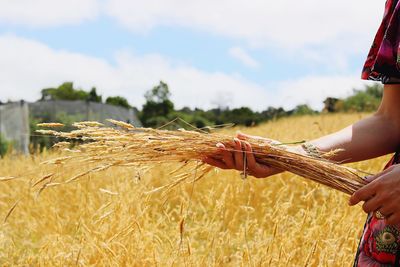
<point x="370" y="178"/>
<point x="244" y="136"/>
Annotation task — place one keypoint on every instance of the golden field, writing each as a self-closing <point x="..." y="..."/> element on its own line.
<point x="108" y="219"/>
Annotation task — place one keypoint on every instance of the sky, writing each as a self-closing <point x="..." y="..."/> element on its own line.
<point x="254" y="53"/>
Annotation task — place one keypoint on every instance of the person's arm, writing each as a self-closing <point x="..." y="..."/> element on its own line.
<point x="382" y="194"/>
<point x="368" y="138"/>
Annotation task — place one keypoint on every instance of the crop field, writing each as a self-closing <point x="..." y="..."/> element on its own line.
<point x="112" y="218"/>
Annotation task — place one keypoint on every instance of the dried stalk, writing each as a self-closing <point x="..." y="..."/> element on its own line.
<point x="126" y="145"/>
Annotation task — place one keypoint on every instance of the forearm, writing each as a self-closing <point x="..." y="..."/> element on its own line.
<point x="368" y="138"/>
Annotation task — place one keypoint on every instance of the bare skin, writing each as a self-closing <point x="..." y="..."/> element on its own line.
<point x="368" y="138"/>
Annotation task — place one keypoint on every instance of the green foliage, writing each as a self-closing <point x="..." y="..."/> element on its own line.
<point x="4" y="145"/>
<point x="158" y="94"/>
<point x="159" y="110"/>
<point x="366" y="100"/>
<point x="157" y="106"/>
<point x="272" y="113"/>
<point x="360" y="102"/>
<point x="93" y="96"/>
<point x="65" y="91"/>
<point x="303" y="110"/>
<point x="192" y="117"/>
<point x="118" y="101"/>
<point x="241" y="116"/>
<point x="375" y="90"/>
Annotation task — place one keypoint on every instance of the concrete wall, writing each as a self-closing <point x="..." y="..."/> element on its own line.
<point x="14" y="124"/>
<point x="14" y="117"/>
<point x="82" y="111"/>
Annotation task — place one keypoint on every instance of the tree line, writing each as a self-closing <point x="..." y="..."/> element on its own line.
<point x="66" y="91"/>
<point x="159" y="109"/>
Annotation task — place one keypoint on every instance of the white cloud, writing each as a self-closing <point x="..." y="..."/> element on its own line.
<point x="49" y="13"/>
<point x="242" y="55"/>
<point x="325" y="32"/>
<point x="260" y="22"/>
<point x="316" y="32"/>
<point x="27" y="66"/>
<point x="283" y="23"/>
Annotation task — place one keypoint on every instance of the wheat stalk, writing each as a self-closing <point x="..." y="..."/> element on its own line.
<point x="126" y="145"/>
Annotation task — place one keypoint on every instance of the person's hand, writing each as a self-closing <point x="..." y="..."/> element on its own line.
<point x="381" y="195"/>
<point x="235" y="159"/>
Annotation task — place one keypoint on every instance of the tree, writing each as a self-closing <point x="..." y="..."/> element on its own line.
<point x="118" y="101"/>
<point x="361" y="101"/>
<point x="375" y="90"/>
<point x="158" y="94"/>
<point x="65" y="91"/>
<point x="244" y="116"/>
<point x="272" y="113"/>
<point x="93" y="96"/>
<point x="157" y="106"/>
<point x="303" y="109"/>
<point x="364" y="100"/>
<point x="330" y="104"/>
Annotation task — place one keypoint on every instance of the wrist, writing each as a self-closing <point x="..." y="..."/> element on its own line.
<point x="311" y="150"/>
<point x="306" y="149"/>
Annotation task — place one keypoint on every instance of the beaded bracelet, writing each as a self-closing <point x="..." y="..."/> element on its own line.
<point x="311" y="150"/>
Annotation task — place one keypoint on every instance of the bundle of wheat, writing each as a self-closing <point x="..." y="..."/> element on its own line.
<point x="125" y="145"/>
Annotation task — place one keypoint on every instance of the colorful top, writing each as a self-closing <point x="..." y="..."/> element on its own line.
<point x="380" y="243"/>
<point x="383" y="62"/>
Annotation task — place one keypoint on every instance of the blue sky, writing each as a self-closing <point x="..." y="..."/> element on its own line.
<point x="252" y="53"/>
<point x="101" y="38"/>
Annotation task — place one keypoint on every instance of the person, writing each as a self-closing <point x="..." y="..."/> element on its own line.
<point x="368" y="138"/>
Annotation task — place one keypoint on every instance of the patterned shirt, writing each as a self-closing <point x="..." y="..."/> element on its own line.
<point x="383" y="62"/>
<point x="380" y="242"/>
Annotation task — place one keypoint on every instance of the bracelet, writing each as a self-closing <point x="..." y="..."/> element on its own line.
<point x="311" y="150"/>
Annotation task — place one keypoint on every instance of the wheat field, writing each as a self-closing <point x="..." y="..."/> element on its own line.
<point x="110" y="219"/>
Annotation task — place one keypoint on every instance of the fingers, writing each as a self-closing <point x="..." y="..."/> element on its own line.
<point x="387" y="209"/>
<point x="371" y="178"/>
<point x="381" y="195"/>
<point x="364" y="193"/>
<point x="393" y="219"/>
<point x="238" y="155"/>
<point x="369" y="190"/>
<point x="256" y="170"/>
<point x="373" y="204"/>
<point x="251" y="160"/>
<point x="215" y="163"/>
<point x="227" y="157"/>
<point x="243" y="136"/>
